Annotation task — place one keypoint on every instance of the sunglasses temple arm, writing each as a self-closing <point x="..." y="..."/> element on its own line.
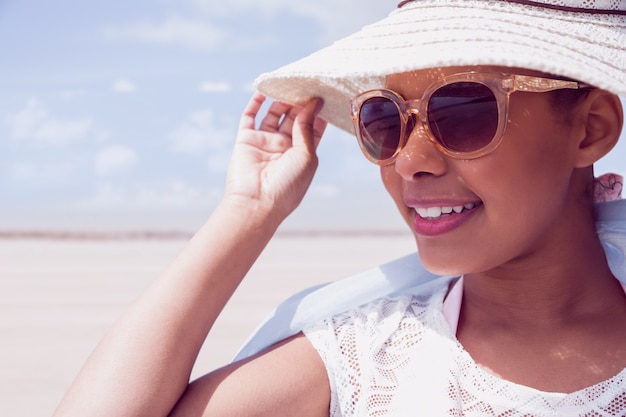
<point x="540" y="85"/>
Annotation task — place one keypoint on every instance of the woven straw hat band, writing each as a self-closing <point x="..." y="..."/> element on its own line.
<point x="580" y="6"/>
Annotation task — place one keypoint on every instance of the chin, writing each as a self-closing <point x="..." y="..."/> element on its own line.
<point x="441" y="263"/>
<point x="441" y="270"/>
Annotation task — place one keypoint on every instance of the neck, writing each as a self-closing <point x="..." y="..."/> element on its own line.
<point x="568" y="277"/>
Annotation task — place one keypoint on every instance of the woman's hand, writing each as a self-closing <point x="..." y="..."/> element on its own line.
<point x="273" y="165"/>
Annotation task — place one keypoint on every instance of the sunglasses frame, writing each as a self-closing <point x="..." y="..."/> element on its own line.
<point x="502" y="85"/>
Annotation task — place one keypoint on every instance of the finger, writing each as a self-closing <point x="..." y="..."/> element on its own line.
<point x="319" y="127"/>
<point x="286" y="124"/>
<point x="308" y="128"/>
<point x="274" y="116"/>
<point x="251" y="110"/>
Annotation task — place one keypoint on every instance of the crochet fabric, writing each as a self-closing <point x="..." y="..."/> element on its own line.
<point x="398" y="357"/>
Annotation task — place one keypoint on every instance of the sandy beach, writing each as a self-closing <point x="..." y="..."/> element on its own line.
<point x="59" y="295"/>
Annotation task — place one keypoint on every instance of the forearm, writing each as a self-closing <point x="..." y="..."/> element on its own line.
<point x="143" y="364"/>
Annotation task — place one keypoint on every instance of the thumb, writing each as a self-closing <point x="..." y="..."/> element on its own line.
<point x="308" y="128"/>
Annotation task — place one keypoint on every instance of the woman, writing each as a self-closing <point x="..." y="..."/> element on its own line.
<point x="486" y="118"/>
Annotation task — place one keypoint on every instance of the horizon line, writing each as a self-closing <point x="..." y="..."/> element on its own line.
<point x="86" y="235"/>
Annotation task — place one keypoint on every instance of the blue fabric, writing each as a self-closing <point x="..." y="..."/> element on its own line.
<point x="405" y="275"/>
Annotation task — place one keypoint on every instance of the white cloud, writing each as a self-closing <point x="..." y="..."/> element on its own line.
<point x="200" y="133"/>
<point x="324" y="190"/>
<point x="248" y="87"/>
<point x="41" y="172"/>
<point x="336" y="18"/>
<point x="124" y="85"/>
<point x="174" y="30"/>
<point x="234" y="7"/>
<point x="167" y="195"/>
<point x="257" y="41"/>
<point x="114" y="160"/>
<point x="215" y="87"/>
<point x="34" y="125"/>
<point x="175" y="194"/>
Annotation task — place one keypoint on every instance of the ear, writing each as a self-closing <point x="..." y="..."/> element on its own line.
<point x="602" y="115"/>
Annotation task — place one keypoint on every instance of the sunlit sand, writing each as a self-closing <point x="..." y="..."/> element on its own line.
<point x="59" y="295"/>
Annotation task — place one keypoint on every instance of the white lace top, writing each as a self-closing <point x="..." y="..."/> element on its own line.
<point x="399" y="357"/>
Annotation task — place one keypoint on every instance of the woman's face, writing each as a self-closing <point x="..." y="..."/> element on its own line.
<point x="512" y="202"/>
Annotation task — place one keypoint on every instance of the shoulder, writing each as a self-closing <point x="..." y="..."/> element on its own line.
<point x="285" y="379"/>
<point x="391" y="338"/>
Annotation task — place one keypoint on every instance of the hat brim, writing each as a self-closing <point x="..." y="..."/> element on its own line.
<point x="442" y="33"/>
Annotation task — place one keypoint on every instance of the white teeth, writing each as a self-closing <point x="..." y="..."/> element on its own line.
<point x="422" y="212"/>
<point x="433" y="212"/>
<point x="436" y="212"/>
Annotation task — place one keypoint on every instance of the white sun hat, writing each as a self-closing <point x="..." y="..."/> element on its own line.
<point x="580" y="39"/>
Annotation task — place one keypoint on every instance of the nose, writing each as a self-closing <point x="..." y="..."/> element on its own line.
<point x="420" y="157"/>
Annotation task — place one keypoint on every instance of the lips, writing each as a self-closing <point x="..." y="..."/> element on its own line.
<point x="436" y="212"/>
<point x="434" y="220"/>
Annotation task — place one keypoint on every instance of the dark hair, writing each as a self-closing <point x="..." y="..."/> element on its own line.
<point x="564" y="101"/>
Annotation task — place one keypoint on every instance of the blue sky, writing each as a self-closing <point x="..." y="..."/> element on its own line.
<point x="121" y="114"/>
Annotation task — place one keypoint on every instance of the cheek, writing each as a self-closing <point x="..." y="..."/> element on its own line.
<point x="389" y="179"/>
<point x="535" y="155"/>
<point x="394" y="186"/>
<point x="392" y="183"/>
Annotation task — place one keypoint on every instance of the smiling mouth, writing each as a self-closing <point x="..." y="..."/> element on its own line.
<point x="434" y="213"/>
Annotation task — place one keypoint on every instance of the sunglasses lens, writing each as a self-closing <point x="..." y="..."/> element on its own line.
<point x="380" y="126"/>
<point x="463" y="116"/>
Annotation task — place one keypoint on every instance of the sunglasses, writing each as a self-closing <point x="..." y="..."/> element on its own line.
<point x="464" y="115"/>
